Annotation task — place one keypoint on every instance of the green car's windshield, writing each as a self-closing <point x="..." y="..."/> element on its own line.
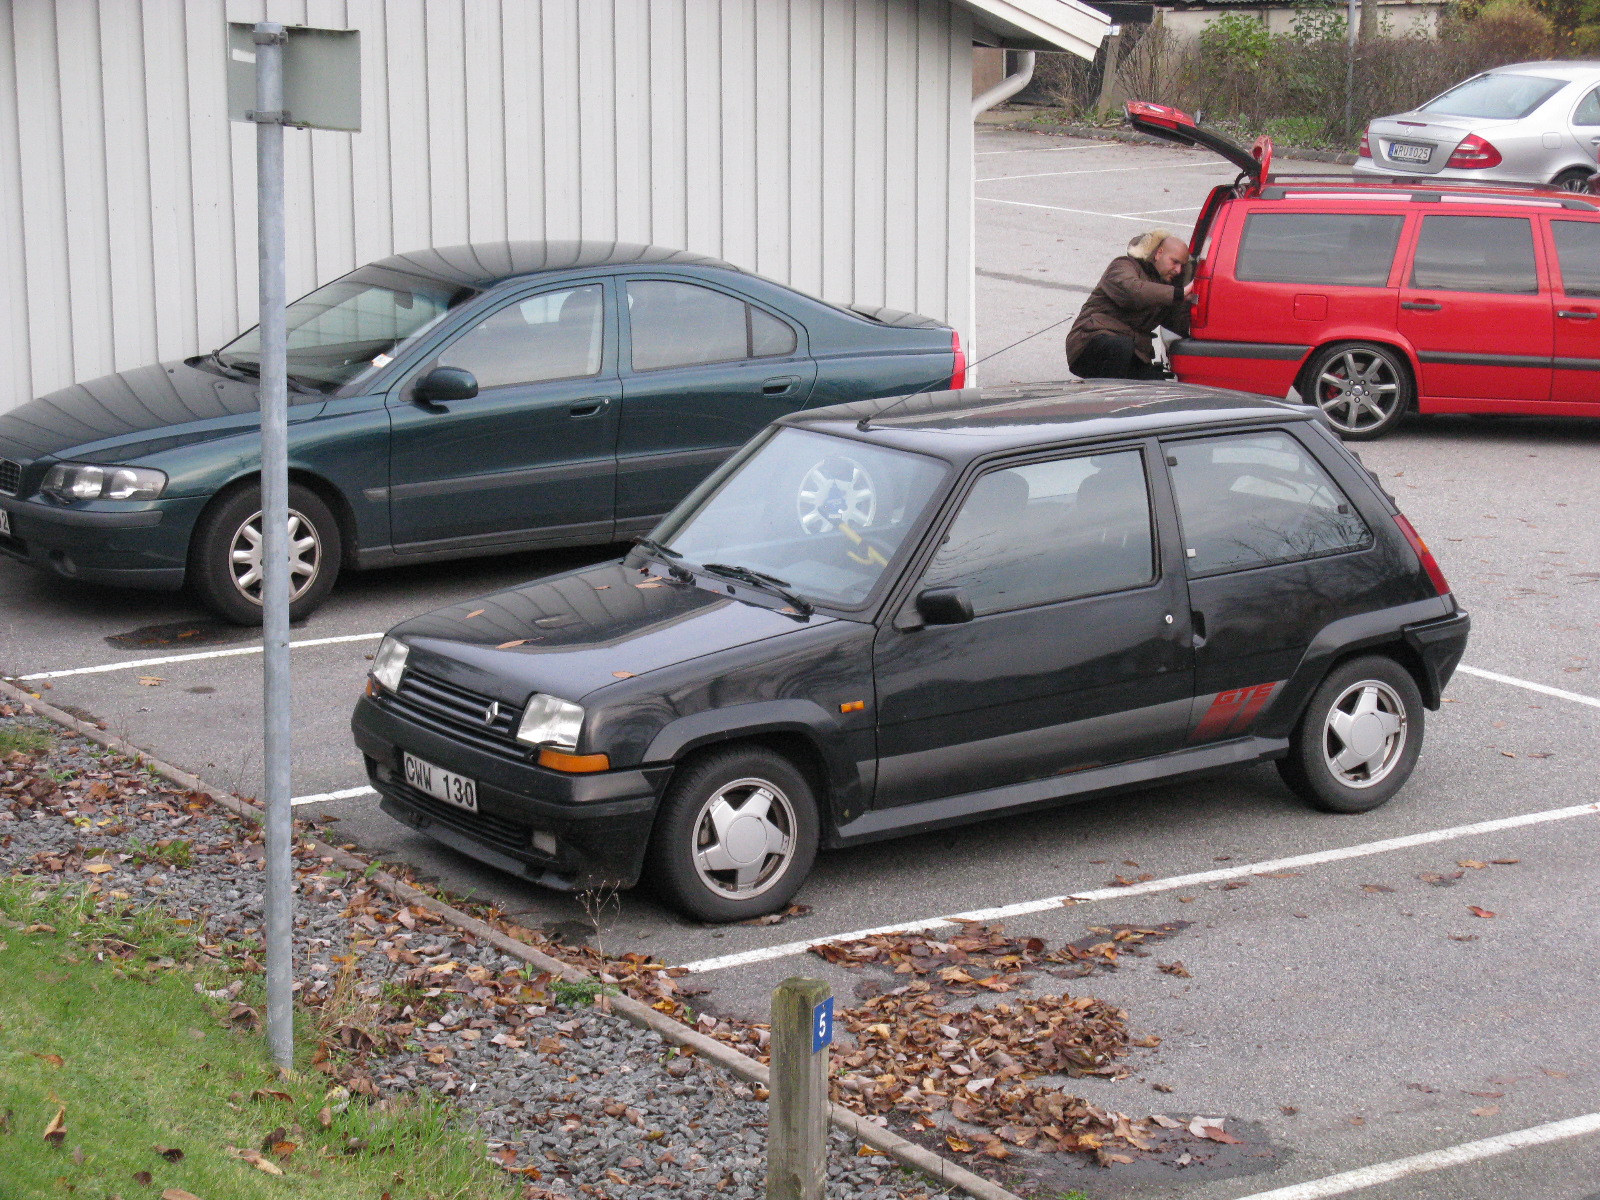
<point x="351" y="326"/>
<point x="824" y="515"/>
<point x="1495" y="97"/>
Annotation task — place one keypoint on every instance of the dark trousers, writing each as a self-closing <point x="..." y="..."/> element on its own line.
<point x="1111" y="356"/>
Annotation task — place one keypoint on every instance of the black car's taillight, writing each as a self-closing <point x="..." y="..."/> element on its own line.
<point x="1429" y="563"/>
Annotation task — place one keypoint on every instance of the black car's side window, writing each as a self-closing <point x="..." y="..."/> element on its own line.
<point x="1578" y="249"/>
<point x="554" y="335"/>
<point x="1050" y="531"/>
<point x="1476" y="254"/>
<point x="1252" y="499"/>
<point x="685" y="325"/>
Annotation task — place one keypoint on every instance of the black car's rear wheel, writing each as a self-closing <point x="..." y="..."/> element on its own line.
<point x="736" y="835"/>
<point x="1358" y="741"/>
<point x="225" y="557"/>
<point x="1362" y="388"/>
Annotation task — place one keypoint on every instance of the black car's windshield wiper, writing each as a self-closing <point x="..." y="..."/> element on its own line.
<point x="678" y="569"/>
<point x="654" y="547"/>
<point x="769" y="583"/>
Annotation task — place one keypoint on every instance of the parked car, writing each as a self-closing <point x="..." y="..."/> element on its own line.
<point x="900" y="615"/>
<point x="1536" y="122"/>
<point x="1371" y="299"/>
<point x="452" y="402"/>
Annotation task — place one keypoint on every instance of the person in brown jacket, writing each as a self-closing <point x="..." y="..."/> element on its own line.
<point x="1142" y="289"/>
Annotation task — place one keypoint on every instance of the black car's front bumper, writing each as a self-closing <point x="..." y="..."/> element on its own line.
<point x="600" y="822"/>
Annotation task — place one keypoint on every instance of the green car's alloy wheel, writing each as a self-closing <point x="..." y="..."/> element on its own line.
<point x="225" y="559"/>
<point x="1359" y="738"/>
<point x="736" y="835"/>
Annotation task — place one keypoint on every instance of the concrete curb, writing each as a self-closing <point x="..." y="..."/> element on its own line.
<point x="905" y="1152"/>
<point x="1101" y="133"/>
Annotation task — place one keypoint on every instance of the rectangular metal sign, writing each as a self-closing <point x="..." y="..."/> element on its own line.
<point x="822" y="1025"/>
<point x="321" y="76"/>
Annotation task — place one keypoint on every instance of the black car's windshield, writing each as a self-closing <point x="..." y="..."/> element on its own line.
<point x="1495" y="97"/>
<point x="351" y="326"/>
<point x="824" y="515"/>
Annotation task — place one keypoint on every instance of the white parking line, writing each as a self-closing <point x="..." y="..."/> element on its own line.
<point x="1150" y="212"/>
<point x="133" y="664"/>
<point x="1542" y="689"/>
<point x="1048" y="149"/>
<point x="1082" y="212"/>
<point x="322" y="797"/>
<point x="1112" y="170"/>
<point x="1154" y="885"/>
<point x="1451" y="1156"/>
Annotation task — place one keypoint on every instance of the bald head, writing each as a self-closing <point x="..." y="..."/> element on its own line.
<point x="1169" y="258"/>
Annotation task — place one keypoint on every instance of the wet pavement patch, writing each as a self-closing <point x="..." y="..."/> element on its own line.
<point x="183" y="634"/>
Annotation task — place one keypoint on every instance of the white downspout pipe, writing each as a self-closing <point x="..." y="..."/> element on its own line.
<point x="1007" y="87"/>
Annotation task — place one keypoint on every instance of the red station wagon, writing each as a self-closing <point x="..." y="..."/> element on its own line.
<point x="1372" y="299"/>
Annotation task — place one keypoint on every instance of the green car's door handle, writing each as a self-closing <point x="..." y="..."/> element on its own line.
<point x="780" y="386"/>
<point x="588" y="408"/>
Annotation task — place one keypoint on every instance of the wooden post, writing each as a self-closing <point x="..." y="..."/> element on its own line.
<point x="797" y="1122"/>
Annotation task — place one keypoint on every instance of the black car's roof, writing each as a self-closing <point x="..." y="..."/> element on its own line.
<point x="484" y="264"/>
<point x="961" y="425"/>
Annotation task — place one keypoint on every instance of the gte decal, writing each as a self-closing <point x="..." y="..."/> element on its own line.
<point x="1232" y="712"/>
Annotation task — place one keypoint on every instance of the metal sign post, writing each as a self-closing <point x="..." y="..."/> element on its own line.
<point x="262" y="50"/>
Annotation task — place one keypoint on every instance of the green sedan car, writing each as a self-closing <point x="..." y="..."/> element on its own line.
<point x="448" y="403"/>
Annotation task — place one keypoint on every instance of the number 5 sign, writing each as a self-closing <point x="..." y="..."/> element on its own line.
<point x="822" y="1025"/>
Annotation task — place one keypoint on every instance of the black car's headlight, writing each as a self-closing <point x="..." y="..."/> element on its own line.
<point x="548" y="721"/>
<point x="81" y="481"/>
<point x="389" y="663"/>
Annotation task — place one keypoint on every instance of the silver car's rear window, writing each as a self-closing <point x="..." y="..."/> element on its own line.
<point x="1495" y="97"/>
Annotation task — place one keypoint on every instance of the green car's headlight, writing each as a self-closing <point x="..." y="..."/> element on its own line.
<point x="550" y="722"/>
<point x="82" y="481"/>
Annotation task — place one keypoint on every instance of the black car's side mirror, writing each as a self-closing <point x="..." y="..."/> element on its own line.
<point x="944" y="606"/>
<point x="445" y="383"/>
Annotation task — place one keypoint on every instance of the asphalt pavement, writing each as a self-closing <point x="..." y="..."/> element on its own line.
<point x="1341" y="1012"/>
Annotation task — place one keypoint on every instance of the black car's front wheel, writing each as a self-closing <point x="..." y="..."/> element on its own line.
<point x="1361" y="387"/>
<point x="1359" y="739"/>
<point x="736" y="835"/>
<point x="226" y="556"/>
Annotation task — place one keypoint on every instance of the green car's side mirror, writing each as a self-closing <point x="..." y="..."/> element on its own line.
<point x="445" y="383"/>
<point x="944" y="606"/>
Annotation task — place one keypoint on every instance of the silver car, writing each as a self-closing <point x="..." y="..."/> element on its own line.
<point x="1530" y="122"/>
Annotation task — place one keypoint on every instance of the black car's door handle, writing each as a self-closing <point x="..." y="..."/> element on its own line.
<point x="1421" y="305"/>
<point x="781" y="386"/>
<point x="588" y="408"/>
<point x="1197" y="627"/>
<point x="1576" y="314"/>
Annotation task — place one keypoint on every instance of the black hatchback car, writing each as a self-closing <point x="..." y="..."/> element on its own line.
<point x="897" y="615"/>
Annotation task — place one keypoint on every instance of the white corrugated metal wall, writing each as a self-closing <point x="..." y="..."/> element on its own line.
<point x="826" y="143"/>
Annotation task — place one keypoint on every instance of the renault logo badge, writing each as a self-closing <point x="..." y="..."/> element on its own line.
<point x="492" y="713"/>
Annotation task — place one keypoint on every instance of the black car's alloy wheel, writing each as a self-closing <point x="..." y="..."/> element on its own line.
<point x="225" y="562"/>
<point x="736" y="835"/>
<point x="1359" y="739"/>
<point x="1362" y="388"/>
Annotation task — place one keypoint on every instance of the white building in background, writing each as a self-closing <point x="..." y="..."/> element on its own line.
<point x="824" y="143"/>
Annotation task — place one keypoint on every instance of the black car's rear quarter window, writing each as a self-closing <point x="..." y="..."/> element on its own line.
<point x="1355" y="249"/>
<point x="1252" y="499"/>
<point x="1578" y="250"/>
<point x="1476" y="254"/>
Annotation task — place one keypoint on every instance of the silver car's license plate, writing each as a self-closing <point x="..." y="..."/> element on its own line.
<point x="441" y="784"/>
<point x="5" y="523"/>
<point x="1409" y="152"/>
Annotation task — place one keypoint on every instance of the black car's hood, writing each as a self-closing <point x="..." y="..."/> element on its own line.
<point x="111" y="418"/>
<point x="570" y="634"/>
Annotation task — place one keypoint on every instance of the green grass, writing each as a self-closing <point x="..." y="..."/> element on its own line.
<point x="23" y="739"/>
<point x="145" y="1061"/>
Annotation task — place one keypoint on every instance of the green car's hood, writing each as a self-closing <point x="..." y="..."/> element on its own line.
<point x="124" y="416"/>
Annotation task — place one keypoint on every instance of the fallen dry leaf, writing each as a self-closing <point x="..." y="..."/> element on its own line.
<point x="477" y="612"/>
<point x="143" y="1178"/>
<point x="1463" y="937"/>
<point x="1479" y="912"/>
<point x="1211" y="1129"/>
<point x="1488" y="1110"/>
<point x="512" y="644"/>
<point x="1485" y="1095"/>
<point x="56" y="1132"/>
<point x="151" y="680"/>
<point x="1175" y="968"/>
<point x="1553" y="1073"/>
<point x="170" y="1153"/>
<point x="1471" y="864"/>
<point x="1376" y="887"/>
<point x="958" y="1145"/>
<point x="55" y="1060"/>
<point x="271" y="1094"/>
<point x="97" y="868"/>
<point x="1288" y="1110"/>
<point x="1505" y="862"/>
<point x="623" y="674"/>
<point x="178" y="1194"/>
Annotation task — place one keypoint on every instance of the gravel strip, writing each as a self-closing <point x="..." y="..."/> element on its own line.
<point x="573" y="1100"/>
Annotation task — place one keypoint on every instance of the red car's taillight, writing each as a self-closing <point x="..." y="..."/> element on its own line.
<point x="1365" y="150"/>
<point x="1429" y="563"/>
<point x="958" y="373"/>
<point x="1474" y="152"/>
<point x="1198" y="296"/>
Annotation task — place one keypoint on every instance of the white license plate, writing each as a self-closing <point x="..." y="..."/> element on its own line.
<point x="5" y="523"/>
<point x="1409" y="152"/>
<point x="441" y="784"/>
